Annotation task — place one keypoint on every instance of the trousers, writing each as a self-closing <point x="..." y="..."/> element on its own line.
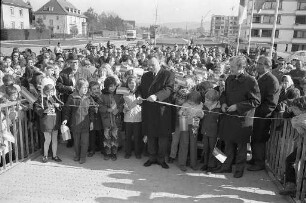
<point x="81" y="140"/>
<point x="188" y="139"/>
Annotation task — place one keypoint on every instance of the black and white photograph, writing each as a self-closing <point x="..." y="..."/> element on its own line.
<point x="153" y="101"/>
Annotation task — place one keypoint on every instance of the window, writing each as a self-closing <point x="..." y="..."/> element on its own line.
<point x="79" y="12"/>
<point x="268" y="33"/>
<point x="302" y="6"/>
<point x="45" y="8"/>
<point x="12" y="11"/>
<point x="297" y="47"/>
<point x="271" y="5"/>
<point x="255" y="33"/>
<point x="13" y="24"/>
<point x="21" y="25"/>
<point x="217" y="27"/>
<point x="58" y="27"/>
<point x="299" y="34"/>
<point x="51" y="22"/>
<point x="300" y="20"/>
<point x="51" y="8"/>
<point x="269" y="19"/>
<point x="44" y="17"/>
<point x="57" y="17"/>
<point x="67" y="9"/>
<point x="20" y="12"/>
<point x="256" y="19"/>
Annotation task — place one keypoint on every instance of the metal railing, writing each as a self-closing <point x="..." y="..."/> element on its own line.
<point x="19" y="123"/>
<point x="284" y="139"/>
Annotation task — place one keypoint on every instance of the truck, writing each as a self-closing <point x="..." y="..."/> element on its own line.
<point x="130" y="35"/>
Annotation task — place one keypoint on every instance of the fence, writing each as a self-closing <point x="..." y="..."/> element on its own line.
<point x="18" y="125"/>
<point x="284" y="139"/>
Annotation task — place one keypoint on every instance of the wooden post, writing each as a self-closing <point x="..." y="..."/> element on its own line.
<point x="274" y="29"/>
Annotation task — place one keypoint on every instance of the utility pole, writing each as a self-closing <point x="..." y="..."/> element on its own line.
<point x="155" y="26"/>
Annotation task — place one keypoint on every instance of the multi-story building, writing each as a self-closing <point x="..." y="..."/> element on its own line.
<point x="224" y="26"/>
<point x="15" y="14"/>
<point x="61" y="17"/>
<point x="290" y="32"/>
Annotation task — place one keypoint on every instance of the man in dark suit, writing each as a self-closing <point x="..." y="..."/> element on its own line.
<point x="239" y="100"/>
<point x="156" y="85"/>
<point x="269" y="90"/>
<point x="68" y="77"/>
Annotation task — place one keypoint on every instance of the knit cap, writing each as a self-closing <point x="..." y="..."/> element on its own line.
<point x="182" y="93"/>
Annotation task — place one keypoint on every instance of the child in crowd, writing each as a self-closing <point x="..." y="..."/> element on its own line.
<point x="180" y="98"/>
<point x="7" y="81"/>
<point x="49" y="75"/>
<point x="192" y="112"/>
<point x="108" y="112"/>
<point x="79" y="111"/>
<point x="96" y="132"/>
<point x="132" y="119"/>
<point x="209" y="128"/>
<point x="48" y="107"/>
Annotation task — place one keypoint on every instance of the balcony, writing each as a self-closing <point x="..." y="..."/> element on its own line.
<point x="298" y="40"/>
<point x="299" y="26"/>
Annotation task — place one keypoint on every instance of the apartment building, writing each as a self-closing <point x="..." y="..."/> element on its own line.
<point x="290" y="32"/>
<point x="15" y="14"/>
<point x="224" y="26"/>
<point x="62" y="17"/>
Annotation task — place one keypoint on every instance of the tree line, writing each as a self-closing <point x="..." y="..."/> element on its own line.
<point x="105" y="21"/>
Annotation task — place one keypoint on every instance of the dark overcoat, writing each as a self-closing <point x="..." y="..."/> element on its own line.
<point x="65" y="80"/>
<point x="269" y="91"/>
<point x="244" y="92"/>
<point x="157" y="117"/>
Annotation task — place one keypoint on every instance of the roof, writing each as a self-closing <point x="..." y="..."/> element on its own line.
<point x="59" y="8"/>
<point x="18" y="3"/>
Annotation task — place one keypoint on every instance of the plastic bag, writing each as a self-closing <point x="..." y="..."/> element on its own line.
<point x="65" y="132"/>
<point x="8" y="136"/>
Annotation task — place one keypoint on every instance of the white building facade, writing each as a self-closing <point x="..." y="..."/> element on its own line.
<point x="225" y="26"/>
<point x="62" y="17"/>
<point x="290" y="30"/>
<point x="15" y="15"/>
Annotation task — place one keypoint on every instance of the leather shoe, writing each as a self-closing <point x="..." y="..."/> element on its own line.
<point x="238" y="174"/>
<point x="149" y="163"/>
<point x="222" y="170"/>
<point x="255" y="168"/>
<point x="251" y="162"/>
<point x="163" y="165"/>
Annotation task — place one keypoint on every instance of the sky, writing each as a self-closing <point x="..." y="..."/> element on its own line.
<point x="143" y="11"/>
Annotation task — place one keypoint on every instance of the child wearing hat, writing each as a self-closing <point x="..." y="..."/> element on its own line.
<point x="209" y="127"/>
<point x="48" y="107"/>
<point x="180" y="98"/>
<point x="190" y="113"/>
<point x="109" y="110"/>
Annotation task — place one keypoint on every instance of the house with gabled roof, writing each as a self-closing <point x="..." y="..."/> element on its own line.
<point x="61" y="17"/>
<point x="15" y="14"/>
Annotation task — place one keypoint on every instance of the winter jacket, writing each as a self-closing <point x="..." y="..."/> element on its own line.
<point x="210" y="121"/>
<point x="49" y="115"/>
<point x="132" y="111"/>
<point x="78" y="112"/>
<point x="97" y="121"/>
<point x="108" y="101"/>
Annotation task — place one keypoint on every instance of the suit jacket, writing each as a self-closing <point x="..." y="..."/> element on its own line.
<point x="270" y="91"/>
<point x="157" y="117"/>
<point x="65" y="80"/>
<point x="244" y="92"/>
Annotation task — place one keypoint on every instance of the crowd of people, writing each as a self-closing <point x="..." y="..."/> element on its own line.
<point x="158" y="101"/>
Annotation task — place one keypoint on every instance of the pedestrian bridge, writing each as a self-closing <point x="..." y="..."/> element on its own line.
<point x="24" y="178"/>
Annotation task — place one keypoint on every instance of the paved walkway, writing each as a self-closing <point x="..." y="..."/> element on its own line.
<point x="127" y="181"/>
